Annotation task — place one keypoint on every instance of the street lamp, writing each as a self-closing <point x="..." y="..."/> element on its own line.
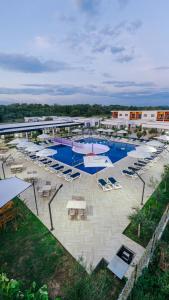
<point x="49" y="206"/>
<point x="3" y="162"/>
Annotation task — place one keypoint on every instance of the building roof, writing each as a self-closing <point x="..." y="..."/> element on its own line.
<point x="31" y="126"/>
<point x="10" y="188"/>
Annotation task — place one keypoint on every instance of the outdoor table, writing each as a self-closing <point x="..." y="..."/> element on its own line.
<point x="16" y="168"/>
<point x="74" y="204"/>
<point x="45" y="190"/>
<point x="32" y="176"/>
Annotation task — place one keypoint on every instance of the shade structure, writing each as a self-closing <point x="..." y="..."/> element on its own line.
<point x="34" y="148"/>
<point x="44" y="136"/>
<point x="97" y="161"/>
<point x="90" y="148"/>
<point x="76" y="130"/>
<point x="154" y="144"/>
<point x="109" y="130"/>
<point x="146" y="148"/>
<point x="10" y="188"/>
<point x="46" y="152"/>
<point x="17" y="141"/>
<point x="122" y="131"/>
<point x="138" y="154"/>
<point x="164" y="138"/>
<point x="24" y="144"/>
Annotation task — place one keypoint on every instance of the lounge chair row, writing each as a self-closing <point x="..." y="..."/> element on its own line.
<point x="110" y="183"/>
<point x="57" y="168"/>
<point x="141" y="165"/>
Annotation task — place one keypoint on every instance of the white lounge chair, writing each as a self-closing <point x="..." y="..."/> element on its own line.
<point x="104" y="185"/>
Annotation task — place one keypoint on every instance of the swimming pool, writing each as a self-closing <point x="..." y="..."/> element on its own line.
<point x="67" y="156"/>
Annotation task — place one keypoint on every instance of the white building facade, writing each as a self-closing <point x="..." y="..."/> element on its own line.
<point x="146" y="119"/>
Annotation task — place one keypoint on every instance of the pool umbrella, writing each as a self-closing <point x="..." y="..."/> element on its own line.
<point x="164" y="138"/>
<point x="100" y="129"/>
<point x="139" y="155"/>
<point x="44" y="136"/>
<point x="24" y="144"/>
<point x="146" y="148"/>
<point x="109" y="130"/>
<point x="77" y="130"/>
<point x="46" y="152"/>
<point x="17" y="141"/>
<point x="34" y="148"/>
<point x="122" y="132"/>
<point x="154" y="144"/>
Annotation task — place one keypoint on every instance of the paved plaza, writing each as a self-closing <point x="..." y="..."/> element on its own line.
<point x="101" y="234"/>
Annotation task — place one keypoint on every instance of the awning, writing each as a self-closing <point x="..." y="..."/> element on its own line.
<point x="10" y="188"/>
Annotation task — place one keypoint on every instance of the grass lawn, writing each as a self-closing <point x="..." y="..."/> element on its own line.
<point x="153" y="284"/>
<point x="29" y="252"/>
<point x="150" y="215"/>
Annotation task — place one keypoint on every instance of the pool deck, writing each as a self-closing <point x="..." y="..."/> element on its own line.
<point x="101" y="234"/>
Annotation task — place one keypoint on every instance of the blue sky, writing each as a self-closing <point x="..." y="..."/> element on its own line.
<point x="84" y="51"/>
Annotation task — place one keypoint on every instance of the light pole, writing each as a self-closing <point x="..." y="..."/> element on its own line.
<point x="49" y="206"/>
<point x="142" y="197"/>
<point x="34" y="191"/>
<point x="3" y="162"/>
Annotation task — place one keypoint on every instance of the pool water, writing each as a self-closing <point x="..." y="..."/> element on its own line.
<point x="67" y="156"/>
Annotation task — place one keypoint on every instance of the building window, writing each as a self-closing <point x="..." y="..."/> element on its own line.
<point x="145" y="115"/>
<point x="152" y="115"/>
<point x="126" y="115"/>
<point x="120" y="115"/>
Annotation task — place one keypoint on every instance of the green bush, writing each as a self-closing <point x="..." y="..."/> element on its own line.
<point x="11" y="289"/>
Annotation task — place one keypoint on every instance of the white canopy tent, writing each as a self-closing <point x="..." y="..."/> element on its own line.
<point x="46" y="152"/>
<point x="10" y="188"/>
<point x="44" y="136"/>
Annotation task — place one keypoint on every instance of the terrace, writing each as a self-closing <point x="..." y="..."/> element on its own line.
<point x="100" y="234"/>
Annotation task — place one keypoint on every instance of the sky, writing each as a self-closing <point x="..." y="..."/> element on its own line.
<point x="84" y="51"/>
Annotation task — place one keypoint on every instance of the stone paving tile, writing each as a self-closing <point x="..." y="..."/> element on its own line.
<point x="100" y="236"/>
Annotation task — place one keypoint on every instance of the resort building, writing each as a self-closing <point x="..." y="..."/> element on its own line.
<point x="147" y="119"/>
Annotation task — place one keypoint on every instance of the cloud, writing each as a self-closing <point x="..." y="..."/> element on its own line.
<point x="30" y="64"/>
<point x="106" y="75"/>
<point x="88" y="6"/>
<point x="125" y="58"/>
<point x="134" y="26"/>
<point x="42" y="42"/>
<point x="101" y="49"/>
<point x="124" y="84"/>
<point x="116" y="49"/>
<point x="123" y="3"/>
<point x="162" y="68"/>
<point x="50" y="93"/>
